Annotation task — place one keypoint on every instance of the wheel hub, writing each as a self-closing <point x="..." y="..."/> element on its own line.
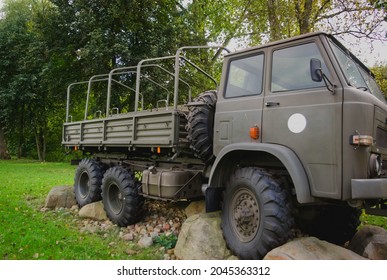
<point x="116" y="199"/>
<point x="245" y="213"/>
<point x="84" y="184"/>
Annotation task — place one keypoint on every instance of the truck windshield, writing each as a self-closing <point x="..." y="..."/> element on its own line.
<point x="356" y="75"/>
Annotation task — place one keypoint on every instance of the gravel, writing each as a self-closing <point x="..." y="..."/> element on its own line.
<point x="160" y="219"/>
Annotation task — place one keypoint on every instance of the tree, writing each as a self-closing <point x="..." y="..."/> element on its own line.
<point x="3" y="144"/>
<point x="380" y="72"/>
<point x="14" y="91"/>
<point x="361" y="19"/>
<point x="45" y="45"/>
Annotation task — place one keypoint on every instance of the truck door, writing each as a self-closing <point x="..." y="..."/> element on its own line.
<point x="304" y="115"/>
<point x="240" y="106"/>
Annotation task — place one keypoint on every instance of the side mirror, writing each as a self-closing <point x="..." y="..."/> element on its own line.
<point x="315" y="70"/>
<point x="318" y="75"/>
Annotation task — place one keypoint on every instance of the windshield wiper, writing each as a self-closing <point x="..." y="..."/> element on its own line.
<point x="363" y="88"/>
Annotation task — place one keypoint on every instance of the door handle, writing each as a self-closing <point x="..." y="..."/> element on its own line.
<point x="272" y="104"/>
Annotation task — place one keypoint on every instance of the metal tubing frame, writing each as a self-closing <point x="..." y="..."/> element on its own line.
<point x="173" y="75"/>
<point x="177" y="67"/>
<point x="68" y="97"/>
<point x="138" y="77"/>
<point x="177" y="57"/>
<point x="113" y="72"/>
<point x="93" y="79"/>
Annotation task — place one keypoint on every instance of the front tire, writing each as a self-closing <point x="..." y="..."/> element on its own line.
<point x="122" y="203"/>
<point x="333" y="223"/>
<point x="256" y="214"/>
<point x="87" y="182"/>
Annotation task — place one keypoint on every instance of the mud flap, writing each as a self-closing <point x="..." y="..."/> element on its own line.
<point x="213" y="198"/>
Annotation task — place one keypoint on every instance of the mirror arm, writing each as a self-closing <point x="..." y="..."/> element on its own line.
<point x="330" y="86"/>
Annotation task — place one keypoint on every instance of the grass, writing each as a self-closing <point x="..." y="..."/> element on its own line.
<point x="373" y="220"/>
<point x="27" y="233"/>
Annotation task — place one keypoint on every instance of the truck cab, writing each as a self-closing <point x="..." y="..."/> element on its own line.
<point x="307" y="111"/>
<point x="335" y="123"/>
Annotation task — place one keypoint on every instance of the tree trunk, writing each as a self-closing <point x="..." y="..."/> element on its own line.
<point x="21" y="134"/>
<point x="40" y="140"/>
<point x="3" y="144"/>
<point x="304" y="14"/>
<point x="275" y="33"/>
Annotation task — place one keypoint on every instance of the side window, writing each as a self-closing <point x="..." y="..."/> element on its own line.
<point x="245" y="76"/>
<point x="291" y="68"/>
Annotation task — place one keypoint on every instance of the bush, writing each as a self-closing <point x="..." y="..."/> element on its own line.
<point x="167" y="241"/>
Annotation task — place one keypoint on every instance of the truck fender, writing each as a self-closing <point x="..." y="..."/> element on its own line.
<point x="285" y="155"/>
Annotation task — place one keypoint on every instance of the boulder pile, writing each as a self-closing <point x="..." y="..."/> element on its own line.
<point x="200" y="236"/>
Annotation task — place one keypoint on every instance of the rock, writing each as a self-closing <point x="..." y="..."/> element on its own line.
<point x="201" y="238"/>
<point x="311" y="248"/>
<point x="154" y="234"/>
<point x="195" y="207"/>
<point x="145" y="242"/>
<point x="88" y="228"/>
<point x="370" y="242"/>
<point x="166" y="227"/>
<point x="128" y="237"/>
<point x="93" y="211"/>
<point x="149" y="229"/>
<point x="131" y="252"/>
<point x="61" y="196"/>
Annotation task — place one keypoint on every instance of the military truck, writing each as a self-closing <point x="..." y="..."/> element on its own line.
<point x="293" y="137"/>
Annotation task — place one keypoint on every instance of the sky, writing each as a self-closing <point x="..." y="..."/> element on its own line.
<point x="370" y="56"/>
<point x="377" y="56"/>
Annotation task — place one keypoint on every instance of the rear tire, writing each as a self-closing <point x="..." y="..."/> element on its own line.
<point x="87" y="182"/>
<point x="200" y="125"/>
<point x="256" y="214"/>
<point x="122" y="203"/>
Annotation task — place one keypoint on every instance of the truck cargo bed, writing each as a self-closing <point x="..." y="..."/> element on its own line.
<point x="162" y="128"/>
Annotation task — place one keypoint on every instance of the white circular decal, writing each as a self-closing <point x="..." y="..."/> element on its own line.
<point x="297" y="123"/>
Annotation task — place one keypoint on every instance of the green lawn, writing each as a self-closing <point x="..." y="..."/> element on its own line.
<point x="27" y="233"/>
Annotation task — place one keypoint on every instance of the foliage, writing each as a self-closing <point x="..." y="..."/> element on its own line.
<point x="380" y="72"/>
<point x="367" y="219"/>
<point x="29" y="92"/>
<point x="46" y="44"/>
<point x="262" y="21"/>
<point x="166" y="241"/>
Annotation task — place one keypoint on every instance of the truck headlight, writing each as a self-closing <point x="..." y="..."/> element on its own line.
<point x="375" y="166"/>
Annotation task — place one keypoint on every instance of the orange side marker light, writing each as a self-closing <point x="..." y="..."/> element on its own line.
<point x="254" y="132"/>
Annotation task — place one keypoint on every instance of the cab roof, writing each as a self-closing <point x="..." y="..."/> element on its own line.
<point x="303" y="36"/>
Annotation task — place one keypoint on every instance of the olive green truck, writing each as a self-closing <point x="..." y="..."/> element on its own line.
<point x="294" y="136"/>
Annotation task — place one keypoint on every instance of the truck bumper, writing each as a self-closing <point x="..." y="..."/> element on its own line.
<point x="369" y="188"/>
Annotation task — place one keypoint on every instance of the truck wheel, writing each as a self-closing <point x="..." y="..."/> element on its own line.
<point x="122" y="203"/>
<point x="256" y="214"/>
<point x="200" y="125"/>
<point x="87" y="182"/>
<point x="333" y="223"/>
